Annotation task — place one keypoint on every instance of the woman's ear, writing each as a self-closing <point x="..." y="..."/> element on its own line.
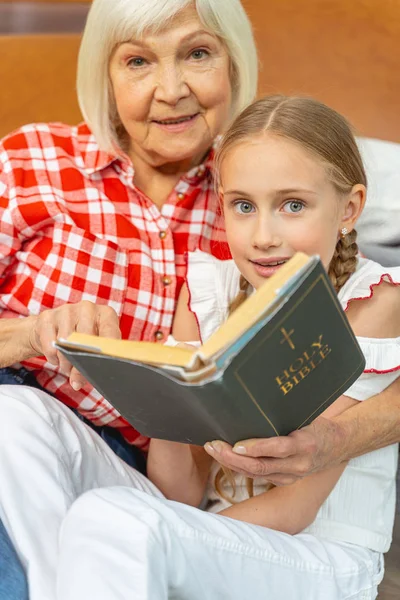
<point x="354" y="205"/>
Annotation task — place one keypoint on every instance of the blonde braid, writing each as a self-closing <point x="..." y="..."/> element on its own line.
<point x="241" y="296"/>
<point x="344" y="261"/>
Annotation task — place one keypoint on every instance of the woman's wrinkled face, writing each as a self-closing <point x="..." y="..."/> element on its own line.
<point x="172" y="91"/>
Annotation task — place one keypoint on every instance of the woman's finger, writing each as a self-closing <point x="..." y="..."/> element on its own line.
<point x="45" y="334"/>
<point x="276" y="447"/>
<point x="108" y="322"/>
<point x="76" y="379"/>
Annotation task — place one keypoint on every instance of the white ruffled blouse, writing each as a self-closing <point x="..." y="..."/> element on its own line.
<point x="360" y="509"/>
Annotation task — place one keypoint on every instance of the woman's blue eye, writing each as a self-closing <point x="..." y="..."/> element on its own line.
<point x="136" y="62"/>
<point x="294" y="206"/>
<point x="198" y="54"/>
<point x="243" y="207"/>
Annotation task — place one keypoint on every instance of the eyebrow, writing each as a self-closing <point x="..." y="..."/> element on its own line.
<point x="295" y="191"/>
<point x="278" y="192"/>
<point x="236" y="193"/>
<point x="186" y="38"/>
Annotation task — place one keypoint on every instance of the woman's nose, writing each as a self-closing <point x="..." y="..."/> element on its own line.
<point x="171" y="85"/>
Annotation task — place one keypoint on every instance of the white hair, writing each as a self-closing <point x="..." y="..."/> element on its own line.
<point x="111" y="22"/>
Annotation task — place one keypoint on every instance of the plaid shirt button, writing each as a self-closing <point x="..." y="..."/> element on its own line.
<point x="158" y="336"/>
<point x="162" y="235"/>
<point x="181" y="196"/>
<point x="166" y="280"/>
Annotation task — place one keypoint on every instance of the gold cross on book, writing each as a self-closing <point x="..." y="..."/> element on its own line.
<point x="286" y="337"/>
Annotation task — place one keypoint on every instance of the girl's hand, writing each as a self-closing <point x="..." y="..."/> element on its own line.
<point x="83" y="317"/>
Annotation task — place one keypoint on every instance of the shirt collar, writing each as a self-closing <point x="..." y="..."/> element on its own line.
<point x="94" y="159"/>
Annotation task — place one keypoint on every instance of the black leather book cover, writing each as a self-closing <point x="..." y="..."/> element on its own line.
<point x="285" y="376"/>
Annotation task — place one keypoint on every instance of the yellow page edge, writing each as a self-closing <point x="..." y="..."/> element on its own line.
<point x="252" y="309"/>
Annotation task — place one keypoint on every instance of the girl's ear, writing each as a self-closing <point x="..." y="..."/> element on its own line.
<point x="354" y="205"/>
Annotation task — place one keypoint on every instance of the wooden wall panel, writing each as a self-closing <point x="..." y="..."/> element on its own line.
<point x="22" y="18"/>
<point x="40" y="80"/>
<point x="51" y="1"/>
<point x="344" y="52"/>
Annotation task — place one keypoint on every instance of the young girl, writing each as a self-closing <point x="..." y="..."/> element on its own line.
<point x="291" y="179"/>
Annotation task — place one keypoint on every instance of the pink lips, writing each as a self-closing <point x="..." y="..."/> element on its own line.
<point x="180" y="127"/>
<point x="266" y="267"/>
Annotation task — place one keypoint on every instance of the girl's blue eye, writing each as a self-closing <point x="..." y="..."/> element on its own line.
<point x="294" y="206"/>
<point x="243" y="207"/>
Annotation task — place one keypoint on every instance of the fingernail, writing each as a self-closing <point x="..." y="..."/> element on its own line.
<point x="208" y="447"/>
<point x="77" y="386"/>
<point x="239" y="450"/>
<point x="216" y="446"/>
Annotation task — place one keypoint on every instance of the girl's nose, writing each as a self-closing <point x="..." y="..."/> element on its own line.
<point x="265" y="236"/>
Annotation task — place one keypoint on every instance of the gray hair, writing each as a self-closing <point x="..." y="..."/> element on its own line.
<point x="111" y="22"/>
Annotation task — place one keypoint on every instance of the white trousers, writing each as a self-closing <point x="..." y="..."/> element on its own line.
<point x="86" y="525"/>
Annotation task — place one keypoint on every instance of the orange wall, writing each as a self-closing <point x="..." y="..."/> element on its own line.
<point x="344" y="52"/>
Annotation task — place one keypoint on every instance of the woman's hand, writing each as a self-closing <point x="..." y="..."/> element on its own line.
<point x="282" y="460"/>
<point x="285" y="460"/>
<point x="83" y="317"/>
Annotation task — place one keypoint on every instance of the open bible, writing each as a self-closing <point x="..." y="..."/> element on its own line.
<point x="278" y="361"/>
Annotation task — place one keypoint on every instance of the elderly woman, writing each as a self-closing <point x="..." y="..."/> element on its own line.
<point x="95" y="224"/>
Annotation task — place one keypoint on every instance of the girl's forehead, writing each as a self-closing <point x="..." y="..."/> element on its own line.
<point x="267" y="148"/>
<point x="275" y="161"/>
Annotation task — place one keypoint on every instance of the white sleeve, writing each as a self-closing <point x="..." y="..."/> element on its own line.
<point x="171" y="341"/>
<point x="382" y="357"/>
<point x="213" y="284"/>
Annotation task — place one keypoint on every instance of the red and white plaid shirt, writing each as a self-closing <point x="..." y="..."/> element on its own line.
<point x="73" y="227"/>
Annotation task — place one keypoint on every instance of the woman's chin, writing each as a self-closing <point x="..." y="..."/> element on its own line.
<point x="180" y="154"/>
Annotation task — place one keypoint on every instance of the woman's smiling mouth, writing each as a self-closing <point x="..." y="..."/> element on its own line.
<point x="177" y="124"/>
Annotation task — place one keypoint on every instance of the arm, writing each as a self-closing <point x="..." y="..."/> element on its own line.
<point x="24" y="338"/>
<point x="325" y="443"/>
<point x="14" y="341"/>
<point x="180" y="471"/>
<point x="292" y="508"/>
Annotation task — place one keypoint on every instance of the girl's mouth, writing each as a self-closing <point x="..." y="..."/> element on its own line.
<point x="266" y="268"/>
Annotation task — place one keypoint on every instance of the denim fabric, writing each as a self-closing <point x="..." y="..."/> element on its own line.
<point x="13" y="584"/>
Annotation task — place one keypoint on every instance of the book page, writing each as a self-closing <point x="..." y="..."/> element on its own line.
<point x="252" y="309"/>
<point x="146" y="352"/>
<point x="237" y="324"/>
